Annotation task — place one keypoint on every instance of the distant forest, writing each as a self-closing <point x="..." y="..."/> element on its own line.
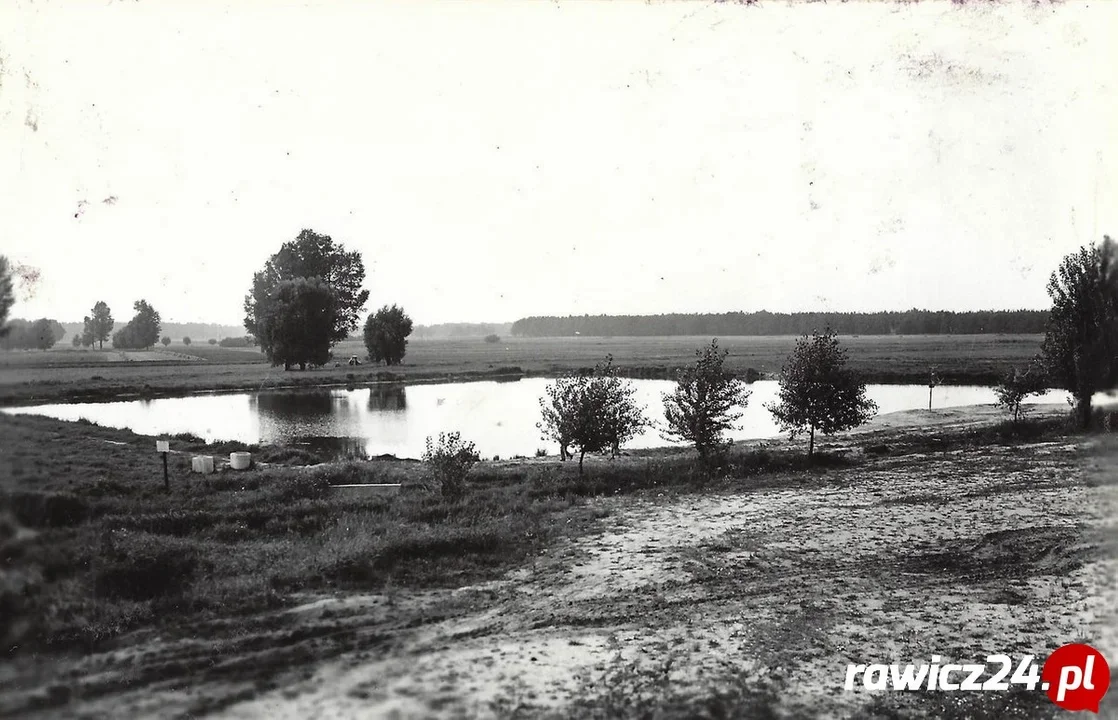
<point x="459" y="330"/>
<point x="176" y="331"/>
<point x="908" y="322"/>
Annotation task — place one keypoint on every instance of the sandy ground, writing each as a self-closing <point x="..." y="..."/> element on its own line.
<point x="962" y="553"/>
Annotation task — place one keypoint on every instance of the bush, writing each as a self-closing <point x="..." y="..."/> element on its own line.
<point x="237" y="342"/>
<point x="492" y="338"/>
<point x="1015" y="387"/>
<point x="186" y="341"/>
<point x="212" y="341"/>
<point x="449" y="461"/>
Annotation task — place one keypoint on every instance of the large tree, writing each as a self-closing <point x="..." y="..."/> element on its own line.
<point x="312" y="255"/>
<point x="705" y="403"/>
<point x="142" y="331"/>
<point x="295" y="322"/>
<point x="7" y="294"/>
<point x="99" y="325"/>
<point x="819" y="392"/>
<point x="386" y="334"/>
<point x="1080" y="349"/>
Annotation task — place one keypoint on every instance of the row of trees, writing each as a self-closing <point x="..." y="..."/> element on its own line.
<point x="39" y="334"/>
<point x="910" y="322"/>
<point x="597" y="412"/>
<point x="308" y="296"/>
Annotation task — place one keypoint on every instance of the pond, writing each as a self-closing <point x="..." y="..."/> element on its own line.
<point x="499" y="417"/>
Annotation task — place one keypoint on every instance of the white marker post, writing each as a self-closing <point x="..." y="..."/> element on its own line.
<point x="164" y="447"/>
<point x="932" y="382"/>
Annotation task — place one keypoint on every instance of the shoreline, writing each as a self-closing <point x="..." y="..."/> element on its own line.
<point x="67" y="395"/>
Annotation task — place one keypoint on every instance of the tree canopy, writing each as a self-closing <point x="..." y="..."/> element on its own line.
<point x="818" y="391"/>
<point x="312" y="255"/>
<point x="296" y="321"/>
<point x="1080" y="349"/>
<point x="386" y="335"/>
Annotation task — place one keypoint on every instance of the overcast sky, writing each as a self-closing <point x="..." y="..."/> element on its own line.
<point x="494" y="159"/>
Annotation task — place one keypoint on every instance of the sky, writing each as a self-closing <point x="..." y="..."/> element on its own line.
<point x="493" y="160"/>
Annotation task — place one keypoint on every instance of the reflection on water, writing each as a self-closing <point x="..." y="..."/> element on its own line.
<point x="390" y="398"/>
<point x="500" y="417"/>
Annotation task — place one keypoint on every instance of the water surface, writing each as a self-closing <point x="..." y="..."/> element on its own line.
<point x="499" y="417"/>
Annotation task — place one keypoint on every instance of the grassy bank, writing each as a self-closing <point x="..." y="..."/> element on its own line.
<point x="95" y="546"/>
<point x="98" y="559"/>
<point x="69" y="374"/>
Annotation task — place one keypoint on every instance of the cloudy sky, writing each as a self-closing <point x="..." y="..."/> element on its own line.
<point x="496" y="159"/>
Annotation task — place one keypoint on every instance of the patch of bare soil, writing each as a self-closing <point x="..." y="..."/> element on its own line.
<point x="961" y="554"/>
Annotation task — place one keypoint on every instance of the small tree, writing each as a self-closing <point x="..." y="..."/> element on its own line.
<point x="1080" y="347"/>
<point x="1015" y="387"/>
<point x="818" y="391"/>
<point x="594" y="413"/>
<point x="449" y="461"/>
<point x="99" y="325"/>
<point x="212" y="341"/>
<point x="705" y="402"/>
<point x="166" y="340"/>
<point x="76" y="341"/>
<point x="386" y="335"/>
<point x="186" y="341"/>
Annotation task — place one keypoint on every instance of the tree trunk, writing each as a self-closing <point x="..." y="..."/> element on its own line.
<point x="811" y="444"/>
<point x="581" y="455"/>
<point x="1083" y="407"/>
<point x="286" y="366"/>
<point x="302" y="366"/>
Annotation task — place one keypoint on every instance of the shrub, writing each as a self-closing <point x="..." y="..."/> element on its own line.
<point x="186" y="341"/>
<point x="1015" y="387"/>
<point x="492" y="338"/>
<point x="449" y="461"/>
<point x="212" y="341"/>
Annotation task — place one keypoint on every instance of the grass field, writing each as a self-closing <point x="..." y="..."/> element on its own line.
<point x="65" y="373"/>
<point x="644" y="585"/>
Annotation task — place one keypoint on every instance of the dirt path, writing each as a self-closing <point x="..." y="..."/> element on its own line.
<point x="961" y="554"/>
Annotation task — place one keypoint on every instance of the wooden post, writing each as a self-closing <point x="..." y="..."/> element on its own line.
<point x="163" y="447"/>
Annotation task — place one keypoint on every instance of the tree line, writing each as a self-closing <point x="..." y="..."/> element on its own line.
<point x="908" y="322"/>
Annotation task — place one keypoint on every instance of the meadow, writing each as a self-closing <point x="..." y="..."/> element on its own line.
<point x="64" y="373"/>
